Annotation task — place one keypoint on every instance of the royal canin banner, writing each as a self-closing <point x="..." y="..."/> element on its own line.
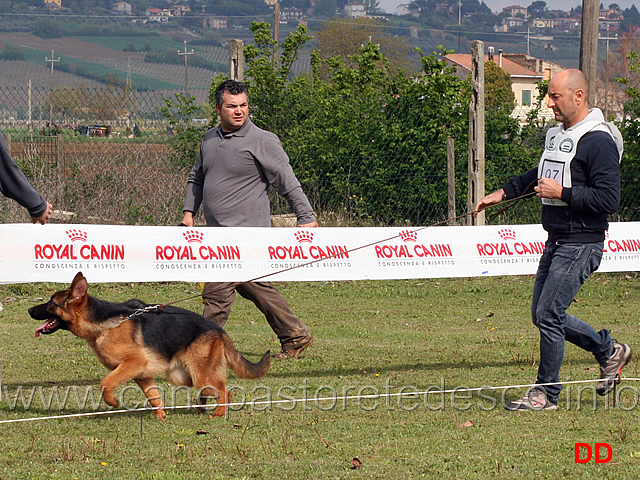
<point x="113" y="253"/>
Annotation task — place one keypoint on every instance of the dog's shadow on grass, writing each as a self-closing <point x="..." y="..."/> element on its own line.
<point x="401" y="367"/>
<point x="50" y="384"/>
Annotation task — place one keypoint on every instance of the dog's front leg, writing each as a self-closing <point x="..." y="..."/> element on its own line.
<point x="121" y="374"/>
<point x="151" y="390"/>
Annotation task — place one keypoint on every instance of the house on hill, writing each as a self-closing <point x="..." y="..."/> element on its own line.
<point x="509" y="24"/>
<point x="179" y="10"/>
<point x="523" y="80"/>
<point x="123" y="8"/>
<point x="515" y="10"/>
<point x="407" y="9"/>
<point x="544" y="67"/>
<point x="214" y="22"/>
<point x="160" y="15"/>
<point x="291" y="15"/>
<point x="355" y="10"/>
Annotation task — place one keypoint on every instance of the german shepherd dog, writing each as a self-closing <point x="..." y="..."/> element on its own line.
<point x="136" y="344"/>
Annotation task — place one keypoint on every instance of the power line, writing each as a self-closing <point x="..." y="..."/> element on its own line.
<point x="186" y="54"/>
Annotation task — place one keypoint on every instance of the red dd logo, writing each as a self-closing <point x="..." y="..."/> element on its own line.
<point x="590" y="452"/>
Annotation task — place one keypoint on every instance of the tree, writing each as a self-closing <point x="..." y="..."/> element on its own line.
<point x="498" y="91"/>
<point x="272" y="76"/>
<point x="326" y="8"/>
<point x="537" y="9"/>
<point x="11" y="52"/>
<point x="630" y="129"/>
<point x="188" y="135"/>
<point x="47" y="28"/>
<point x="340" y="124"/>
<point x="342" y="38"/>
<point x="371" y="6"/>
<point x="631" y="14"/>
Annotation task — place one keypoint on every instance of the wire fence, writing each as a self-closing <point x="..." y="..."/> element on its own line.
<point x="107" y="156"/>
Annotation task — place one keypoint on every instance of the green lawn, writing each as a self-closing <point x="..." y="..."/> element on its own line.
<point x="383" y="337"/>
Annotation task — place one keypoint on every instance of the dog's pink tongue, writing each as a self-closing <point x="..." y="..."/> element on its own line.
<point x="41" y="328"/>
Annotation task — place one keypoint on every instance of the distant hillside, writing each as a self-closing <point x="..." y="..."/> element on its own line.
<point x="94" y="60"/>
<point x="100" y="56"/>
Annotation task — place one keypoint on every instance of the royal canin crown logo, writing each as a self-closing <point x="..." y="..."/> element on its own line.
<point x="302" y="236"/>
<point x="408" y="236"/>
<point x="507" y="234"/>
<point x="77" y="235"/>
<point x="192" y="236"/>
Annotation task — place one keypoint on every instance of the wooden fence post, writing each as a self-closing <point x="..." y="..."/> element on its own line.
<point x="476" y="133"/>
<point x="451" y="181"/>
<point x="236" y="60"/>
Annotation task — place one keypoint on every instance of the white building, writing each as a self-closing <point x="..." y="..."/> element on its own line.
<point x="355" y="10"/>
<point x="121" y="7"/>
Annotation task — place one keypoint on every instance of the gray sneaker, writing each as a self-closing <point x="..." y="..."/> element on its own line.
<point x="610" y="370"/>
<point x="535" y="399"/>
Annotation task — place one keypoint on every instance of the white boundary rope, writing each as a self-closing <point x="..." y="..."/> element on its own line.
<point x="376" y="396"/>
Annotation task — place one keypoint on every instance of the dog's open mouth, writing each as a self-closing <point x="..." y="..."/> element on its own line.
<point x="50" y="326"/>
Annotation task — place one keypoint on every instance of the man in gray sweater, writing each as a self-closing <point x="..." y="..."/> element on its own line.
<point x="15" y="185"/>
<point x="237" y="163"/>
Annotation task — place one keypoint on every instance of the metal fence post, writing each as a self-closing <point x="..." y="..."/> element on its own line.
<point x="476" y="133"/>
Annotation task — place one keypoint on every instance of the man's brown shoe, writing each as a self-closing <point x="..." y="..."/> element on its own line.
<point x="293" y="352"/>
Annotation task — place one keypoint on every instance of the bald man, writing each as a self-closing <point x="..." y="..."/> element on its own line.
<point x="578" y="182"/>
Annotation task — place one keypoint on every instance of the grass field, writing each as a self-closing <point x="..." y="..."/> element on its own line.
<point x="384" y="337"/>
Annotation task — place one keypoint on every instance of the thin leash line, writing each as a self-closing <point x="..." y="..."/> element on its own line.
<point x="513" y="202"/>
<point x="376" y="396"/>
<point x="510" y="203"/>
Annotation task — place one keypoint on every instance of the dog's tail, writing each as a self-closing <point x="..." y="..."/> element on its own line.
<point x="242" y="367"/>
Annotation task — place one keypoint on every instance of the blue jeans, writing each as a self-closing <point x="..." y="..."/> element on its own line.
<point x="563" y="268"/>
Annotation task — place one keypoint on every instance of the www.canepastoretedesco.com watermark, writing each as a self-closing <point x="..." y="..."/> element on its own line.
<point x="310" y="397"/>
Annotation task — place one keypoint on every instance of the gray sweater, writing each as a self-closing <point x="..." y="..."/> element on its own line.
<point x="15" y="185"/>
<point x="232" y="175"/>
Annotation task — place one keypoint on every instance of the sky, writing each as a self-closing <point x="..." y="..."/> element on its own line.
<point x="496" y="6"/>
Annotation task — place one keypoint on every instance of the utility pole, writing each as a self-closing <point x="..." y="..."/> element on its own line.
<point x="459" y="21"/>
<point x="276" y="32"/>
<point x="589" y="45"/>
<point x="186" y="67"/>
<point x="129" y="83"/>
<point x="51" y="60"/>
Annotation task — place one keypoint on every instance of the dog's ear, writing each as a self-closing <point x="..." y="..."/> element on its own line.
<point x="79" y="286"/>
